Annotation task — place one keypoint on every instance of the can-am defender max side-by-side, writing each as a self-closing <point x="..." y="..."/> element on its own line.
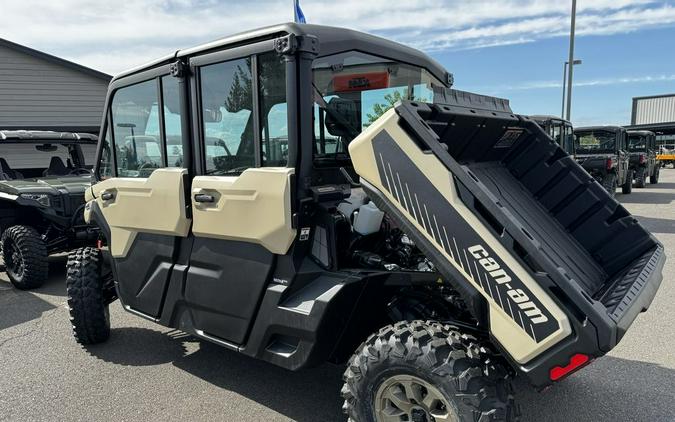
<point x="603" y="152"/>
<point x="303" y="194"/>
<point x="43" y="176"/>
<point x="643" y="151"/>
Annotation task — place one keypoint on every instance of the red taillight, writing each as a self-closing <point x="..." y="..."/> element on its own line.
<point x="642" y="159"/>
<point x="576" y="362"/>
<point x="610" y="163"/>
<point x="99" y="244"/>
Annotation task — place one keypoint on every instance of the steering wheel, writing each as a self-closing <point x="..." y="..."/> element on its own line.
<point x="79" y="171"/>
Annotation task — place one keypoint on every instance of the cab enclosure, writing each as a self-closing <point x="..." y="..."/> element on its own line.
<point x="286" y="192"/>
<point x="643" y="151"/>
<point x="560" y="130"/>
<point x="603" y="152"/>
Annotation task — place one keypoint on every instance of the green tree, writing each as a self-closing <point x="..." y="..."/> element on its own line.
<point x="389" y="101"/>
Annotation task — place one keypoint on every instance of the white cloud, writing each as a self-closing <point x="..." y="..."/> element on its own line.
<point x="580" y="83"/>
<point x="112" y="36"/>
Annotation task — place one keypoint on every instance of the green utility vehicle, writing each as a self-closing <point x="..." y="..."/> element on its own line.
<point x="334" y="200"/>
<point x="603" y="152"/>
<point x="643" y="152"/>
<point x="560" y="130"/>
<point x="43" y="176"/>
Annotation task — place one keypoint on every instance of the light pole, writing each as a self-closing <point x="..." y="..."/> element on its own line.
<point x="564" y="85"/>
<point x="571" y="60"/>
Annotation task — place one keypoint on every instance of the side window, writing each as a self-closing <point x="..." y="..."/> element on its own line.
<point x="135" y="123"/>
<point x="226" y="104"/>
<point x="172" y="122"/>
<point x="273" y="110"/>
<point x="105" y="167"/>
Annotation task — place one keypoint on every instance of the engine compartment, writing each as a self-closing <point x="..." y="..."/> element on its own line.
<point x="352" y="233"/>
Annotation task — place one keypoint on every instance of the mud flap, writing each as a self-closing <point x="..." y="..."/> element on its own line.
<point x="420" y="194"/>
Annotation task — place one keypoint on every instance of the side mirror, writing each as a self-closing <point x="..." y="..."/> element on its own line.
<point x="343" y="117"/>
<point x="212" y="115"/>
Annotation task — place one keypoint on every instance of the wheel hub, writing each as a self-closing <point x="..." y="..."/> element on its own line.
<point x="15" y="264"/>
<point x="409" y="398"/>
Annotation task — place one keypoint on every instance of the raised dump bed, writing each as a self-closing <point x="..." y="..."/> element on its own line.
<point x="505" y="212"/>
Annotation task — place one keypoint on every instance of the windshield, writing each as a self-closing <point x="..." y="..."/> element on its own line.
<point x="637" y="143"/>
<point x="30" y="160"/>
<point x="590" y="142"/>
<point x="353" y="89"/>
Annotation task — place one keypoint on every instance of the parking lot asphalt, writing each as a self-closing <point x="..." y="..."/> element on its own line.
<point x="146" y="372"/>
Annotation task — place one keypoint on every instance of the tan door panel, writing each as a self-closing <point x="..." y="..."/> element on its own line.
<point x="153" y="205"/>
<point x="252" y="207"/>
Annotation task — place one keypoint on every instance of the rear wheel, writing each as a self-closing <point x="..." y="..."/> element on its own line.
<point x="627" y="186"/>
<point x="640" y="177"/>
<point x="654" y="179"/>
<point x="426" y="371"/>
<point x="610" y="183"/>
<point x="25" y="256"/>
<point x="87" y="299"/>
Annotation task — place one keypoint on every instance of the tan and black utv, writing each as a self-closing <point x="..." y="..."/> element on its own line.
<point x="303" y="194"/>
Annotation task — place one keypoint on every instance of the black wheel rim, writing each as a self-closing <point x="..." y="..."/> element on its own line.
<point x="15" y="265"/>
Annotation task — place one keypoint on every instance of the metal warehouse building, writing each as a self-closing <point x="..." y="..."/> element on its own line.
<point x="41" y="91"/>
<point x="655" y="113"/>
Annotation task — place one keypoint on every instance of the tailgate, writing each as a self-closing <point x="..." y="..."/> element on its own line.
<point x="504" y="212"/>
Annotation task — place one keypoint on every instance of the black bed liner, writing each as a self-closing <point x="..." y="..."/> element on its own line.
<point x="546" y="208"/>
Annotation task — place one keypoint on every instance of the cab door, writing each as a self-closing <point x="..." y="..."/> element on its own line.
<point x="141" y="196"/>
<point x="241" y="194"/>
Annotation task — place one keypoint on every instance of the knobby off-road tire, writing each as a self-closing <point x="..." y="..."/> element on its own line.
<point x="428" y="360"/>
<point x="654" y="179"/>
<point x="25" y="256"/>
<point x="641" y="177"/>
<point x="627" y="186"/>
<point x="610" y="183"/>
<point x="86" y="299"/>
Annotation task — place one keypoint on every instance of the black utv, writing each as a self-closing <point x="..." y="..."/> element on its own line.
<point x="303" y="194"/>
<point x="603" y="152"/>
<point x="43" y="176"/>
<point x="643" y="151"/>
<point x="560" y="130"/>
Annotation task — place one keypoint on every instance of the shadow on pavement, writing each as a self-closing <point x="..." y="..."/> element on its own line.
<point x="20" y="306"/>
<point x="305" y="396"/>
<point x="611" y="389"/>
<point x="662" y="193"/>
<point x="132" y="346"/>
<point x="657" y="225"/>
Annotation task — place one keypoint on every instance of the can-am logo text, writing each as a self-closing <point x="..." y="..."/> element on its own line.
<point x="502" y="278"/>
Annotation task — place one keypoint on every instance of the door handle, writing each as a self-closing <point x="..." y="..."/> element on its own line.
<point x="107" y="196"/>
<point x="203" y="197"/>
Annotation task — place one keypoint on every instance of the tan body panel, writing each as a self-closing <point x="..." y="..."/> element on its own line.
<point x="153" y="205"/>
<point x="252" y="207"/>
<point x="518" y="344"/>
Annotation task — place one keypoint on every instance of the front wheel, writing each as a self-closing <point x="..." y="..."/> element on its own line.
<point x="627" y="186"/>
<point x="654" y="179"/>
<point x="25" y="256"/>
<point x="426" y="371"/>
<point x="87" y="301"/>
<point x="640" y="177"/>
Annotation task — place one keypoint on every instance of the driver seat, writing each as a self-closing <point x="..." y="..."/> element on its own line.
<point x="56" y="168"/>
<point x="7" y="173"/>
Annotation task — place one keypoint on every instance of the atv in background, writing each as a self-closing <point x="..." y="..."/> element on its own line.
<point x="643" y="162"/>
<point x="603" y="152"/>
<point x="560" y="130"/>
<point x="43" y="176"/>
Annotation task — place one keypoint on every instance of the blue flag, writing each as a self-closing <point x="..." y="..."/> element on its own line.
<point x="299" y="16"/>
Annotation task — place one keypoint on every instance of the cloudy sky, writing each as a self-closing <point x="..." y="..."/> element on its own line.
<point x="509" y="48"/>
